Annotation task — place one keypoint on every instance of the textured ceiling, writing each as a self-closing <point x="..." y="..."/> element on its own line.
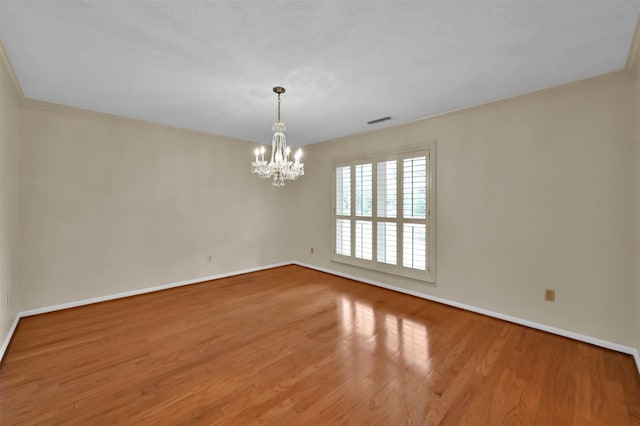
<point x="210" y="66"/>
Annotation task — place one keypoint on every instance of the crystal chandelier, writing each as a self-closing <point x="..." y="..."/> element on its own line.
<point x="279" y="167"/>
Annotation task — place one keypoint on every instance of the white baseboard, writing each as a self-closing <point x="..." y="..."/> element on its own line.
<point x="7" y="339"/>
<point x="145" y="290"/>
<point x="565" y="333"/>
<point x="92" y="300"/>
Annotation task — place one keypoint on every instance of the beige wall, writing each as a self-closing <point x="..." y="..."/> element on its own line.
<point x="112" y="205"/>
<point x="532" y="193"/>
<point x="9" y="200"/>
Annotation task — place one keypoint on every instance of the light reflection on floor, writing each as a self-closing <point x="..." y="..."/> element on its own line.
<point x="366" y="330"/>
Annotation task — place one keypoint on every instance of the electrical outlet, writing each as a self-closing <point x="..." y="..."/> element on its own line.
<point x="209" y="258"/>
<point x="550" y="295"/>
<point x="311" y="250"/>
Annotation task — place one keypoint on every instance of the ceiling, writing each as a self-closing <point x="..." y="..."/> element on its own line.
<point x="210" y="66"/>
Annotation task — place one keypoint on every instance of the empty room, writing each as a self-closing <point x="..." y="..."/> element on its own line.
<point x="319" y="212"/>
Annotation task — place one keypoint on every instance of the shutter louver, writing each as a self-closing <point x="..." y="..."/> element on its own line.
<point x="364" y="240"/>
<point x="364" y="189"/>
<point x="415" y="188"/>
<point x="343" y="191"/>
<point x="414" y="246"/>
<point x="387" y="189"/>
<point x="387" y="243"/>
<point x="343" y="237"/>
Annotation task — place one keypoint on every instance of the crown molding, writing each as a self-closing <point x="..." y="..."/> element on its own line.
<point x="633" y="59"/>
<point x="611" y="78"/>
<point x="7" y="68"/>
<point x="113" y="118"/>
<point x="27" y="103"/>
<point x="614" y="77"/>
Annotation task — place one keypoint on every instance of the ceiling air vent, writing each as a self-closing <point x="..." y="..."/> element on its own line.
<point x="378" y="120"/>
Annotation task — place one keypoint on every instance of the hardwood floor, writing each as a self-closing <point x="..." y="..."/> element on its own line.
<point x="294" y="346"/>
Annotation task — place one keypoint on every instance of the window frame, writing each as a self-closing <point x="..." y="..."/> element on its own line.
<point x="429" y="151"/>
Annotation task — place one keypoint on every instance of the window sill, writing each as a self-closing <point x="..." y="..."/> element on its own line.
<point x="423" y="276"/>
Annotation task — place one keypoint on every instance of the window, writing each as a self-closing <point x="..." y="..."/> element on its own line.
<point x="384" y="213"/>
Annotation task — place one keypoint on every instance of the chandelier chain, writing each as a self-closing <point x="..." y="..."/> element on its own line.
<point x="279" y="107"/>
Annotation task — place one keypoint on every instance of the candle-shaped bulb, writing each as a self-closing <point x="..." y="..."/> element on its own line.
<point x="298" y="155"/>
<point x="257" y="152"/>
<point x="262" y="149"/>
